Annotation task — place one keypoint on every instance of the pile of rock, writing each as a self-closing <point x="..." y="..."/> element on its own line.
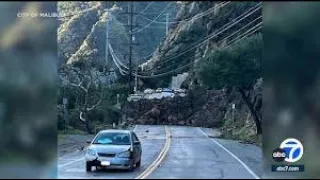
<point x="205" y="108"/>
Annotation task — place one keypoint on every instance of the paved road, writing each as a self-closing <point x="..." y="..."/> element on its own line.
<point x="191" y="154"/>
<point x="73" y="164"/>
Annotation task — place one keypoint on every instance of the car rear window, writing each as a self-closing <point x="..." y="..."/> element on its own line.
<point x="112" y="138"/>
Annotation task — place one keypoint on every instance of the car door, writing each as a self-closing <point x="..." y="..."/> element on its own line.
<point x="136" y="147"/>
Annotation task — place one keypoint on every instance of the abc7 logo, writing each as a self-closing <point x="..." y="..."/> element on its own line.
<point x="279" y="155"/>
<point x="290" y="150"/>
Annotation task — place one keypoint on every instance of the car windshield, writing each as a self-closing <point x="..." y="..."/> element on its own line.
<point x="112" y="138"/>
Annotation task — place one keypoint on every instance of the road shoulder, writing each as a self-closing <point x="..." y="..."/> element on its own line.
<point x="249" y="154"/>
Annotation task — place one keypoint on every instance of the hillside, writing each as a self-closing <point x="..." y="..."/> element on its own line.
<point x="189" y="45"/>
<point x="181" y="47"/>
<point x="197" y="36"/>
<point x="82" y="33"/>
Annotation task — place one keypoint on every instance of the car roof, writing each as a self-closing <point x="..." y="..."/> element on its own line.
<point x="115" y="130"/>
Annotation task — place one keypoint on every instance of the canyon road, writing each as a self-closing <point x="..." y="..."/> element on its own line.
<point x="176" y="152"/>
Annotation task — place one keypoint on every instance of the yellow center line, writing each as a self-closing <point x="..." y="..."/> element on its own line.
<point x="160" y="157"/>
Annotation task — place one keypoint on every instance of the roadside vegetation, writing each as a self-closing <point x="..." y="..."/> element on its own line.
<point x="237" y="68"/>
<point x="104" y="113"/>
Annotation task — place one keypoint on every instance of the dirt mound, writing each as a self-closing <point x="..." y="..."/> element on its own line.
<point x="198" y="108"/>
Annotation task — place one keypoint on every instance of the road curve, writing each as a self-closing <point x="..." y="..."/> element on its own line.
<point x="190" y="154"/>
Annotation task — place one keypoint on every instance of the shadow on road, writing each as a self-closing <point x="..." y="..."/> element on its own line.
<point x="106" y="170"/>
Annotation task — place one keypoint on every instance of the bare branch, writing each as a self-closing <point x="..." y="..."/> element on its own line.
<point x="81" y="117"/>
<point x="74" y="84"/>
<point x="99" y="101"/>
<point x="89" y="84"/>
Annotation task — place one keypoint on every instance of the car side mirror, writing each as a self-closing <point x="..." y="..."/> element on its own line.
<point x="88" y="141"/>
<point x="136" y="143"/>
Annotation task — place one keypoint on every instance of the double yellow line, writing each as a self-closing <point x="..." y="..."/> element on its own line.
<point x="159" y="159"/>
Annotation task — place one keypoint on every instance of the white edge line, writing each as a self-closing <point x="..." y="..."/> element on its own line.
<point x="234" y="156"/>
<point x="65" y="164"/>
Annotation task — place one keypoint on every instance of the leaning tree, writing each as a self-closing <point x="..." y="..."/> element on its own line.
<point x="239" y="67"/>
<point x="89" y="89"/>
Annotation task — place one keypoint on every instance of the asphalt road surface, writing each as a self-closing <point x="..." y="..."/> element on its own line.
<point x="189" y="153"/>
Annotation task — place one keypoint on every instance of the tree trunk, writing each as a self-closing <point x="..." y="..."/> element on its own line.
<point x="252" y="110"/>
<point x="86" y="122"/>
<point x="85" y="114"/>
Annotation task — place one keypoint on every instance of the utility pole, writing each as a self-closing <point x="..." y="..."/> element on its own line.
<point x="107" y="38"/>
<point x="130" y="44"/>
<point x="65" y="113"/>
<point x="135" y="89"/>
<point x="136" y="79"/>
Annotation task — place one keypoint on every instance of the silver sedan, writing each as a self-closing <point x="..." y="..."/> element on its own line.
<point x="114" y="149"/>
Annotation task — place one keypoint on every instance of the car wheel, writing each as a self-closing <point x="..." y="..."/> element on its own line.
<point x="88" y="167"/>
<point x="131" y="167"/>
<point x="138" y="163"/>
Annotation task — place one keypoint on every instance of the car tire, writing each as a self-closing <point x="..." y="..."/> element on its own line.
<point x="131" y="167"/>
<point x="88" y="167"/>
<point x="138" y="163"/>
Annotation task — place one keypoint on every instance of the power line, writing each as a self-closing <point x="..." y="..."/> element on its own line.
<point x="163" y="74"/>
<point x="241" y="28"/>
<point x="193" y="18"/>
<point x="187" y="65"/>
<point x="197" y="16"/>
<point x="185" y="20"/>
<point x="143" y="28"/>
<point x="217" y="32"/>
<point x="122" y="72"/>
<point x="146" y="7"/>
<point x="232" y="23"/>
<point x="231" y="42"/>
<point x="119" y="62"/>
<point x="247" y="33"/>
<point x="149" y="55"/>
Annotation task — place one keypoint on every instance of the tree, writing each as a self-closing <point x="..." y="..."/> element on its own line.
<point x="238" y="66"/>
<point x="89" y="90"/>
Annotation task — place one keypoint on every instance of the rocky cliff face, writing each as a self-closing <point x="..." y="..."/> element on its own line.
<point x="82" y="33"/>
<point x="182" y="49"/>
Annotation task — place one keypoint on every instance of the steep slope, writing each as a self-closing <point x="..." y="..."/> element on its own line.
<point x="74" y="27"/>
<point x="183" y="45"/>
<point x="189" y="41"/>
<point x="82" y="33"/>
